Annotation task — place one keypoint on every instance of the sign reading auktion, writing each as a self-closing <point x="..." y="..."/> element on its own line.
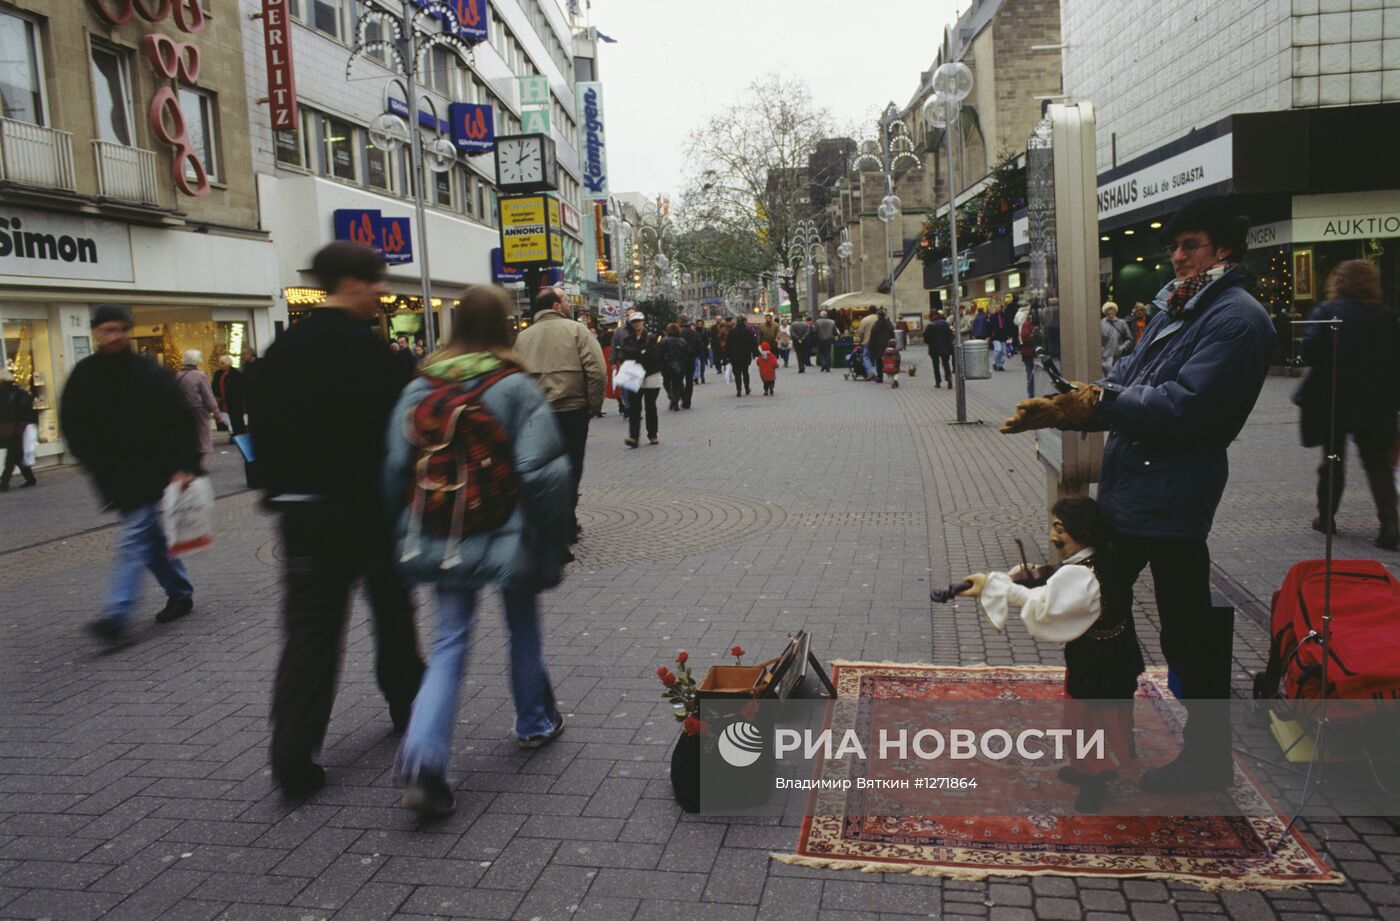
<point x="530" y="231"/>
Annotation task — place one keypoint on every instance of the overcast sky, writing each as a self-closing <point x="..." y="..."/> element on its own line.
<point x="676" y="62"/>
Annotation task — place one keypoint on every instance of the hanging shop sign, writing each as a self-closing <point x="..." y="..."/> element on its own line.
<point x="473" y="127"/>
<point x="471" y="19"/>
<point x="37" y="244"/>
<point x="501" y="273"/>
<point x="595" y="160"/>
<point x="426" y="118"/>
<point x="1156" y="185"/>
<point x="281" y="79"/>
<point x="534" y="121"/>
<point x="528" y="239"/>
<point x="571" y="218"/>
<point x="392" y="236"/>
<point x="175" y="63"/>
<point x="534" y="91"/>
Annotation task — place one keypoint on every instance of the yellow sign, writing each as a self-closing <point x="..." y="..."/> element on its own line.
<point x="530" y="234"/>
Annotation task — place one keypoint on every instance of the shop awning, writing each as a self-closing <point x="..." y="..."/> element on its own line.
<point x="853" y="299"/>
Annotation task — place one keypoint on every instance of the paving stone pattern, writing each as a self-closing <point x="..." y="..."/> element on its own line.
<point x="134" y="784"/>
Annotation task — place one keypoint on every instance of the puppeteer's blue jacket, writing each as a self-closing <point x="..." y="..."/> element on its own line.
<point x="1184" y="394"/>
<point x="527" y="552"/>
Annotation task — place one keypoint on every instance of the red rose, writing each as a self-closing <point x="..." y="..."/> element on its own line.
<point x="737" y="651"/>
<point x="661" y="672"/>
<point x="681" y="657"/>
<point x="669" y="680"/>
<point x="691" y="725"/>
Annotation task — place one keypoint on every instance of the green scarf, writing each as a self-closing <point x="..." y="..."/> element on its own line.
<point x="462" y="367"/>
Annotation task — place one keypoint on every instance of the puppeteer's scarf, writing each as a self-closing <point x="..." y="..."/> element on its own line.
<point x="1188" y="288"/>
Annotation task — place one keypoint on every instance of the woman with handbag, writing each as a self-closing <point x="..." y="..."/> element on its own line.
<point x="644" y="348"/>
<point x="1368" y="391"/>
<point x="16" y="414"/>
<point x="473" y="419"/>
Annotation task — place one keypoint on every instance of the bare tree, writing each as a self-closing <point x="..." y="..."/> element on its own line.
<point x="749" y="177"/>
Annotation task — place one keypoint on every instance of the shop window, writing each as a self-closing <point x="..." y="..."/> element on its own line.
<point x="201" y="111"/>
<point x="338" y="148"/>
<point x="21" y="91"/>
<point x="442" y="188"/>
<point x="26" y="352"/>
<point x="326" y="16"/>
<point x="1013" y="280"/>
<point x="290" y="146"/>
<point x="379" y="170"/>
<point x="111" y="94"/>
<point x="989" y="286"/>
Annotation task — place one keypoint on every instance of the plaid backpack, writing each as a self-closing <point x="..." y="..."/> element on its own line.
<point x="463" y="479"/>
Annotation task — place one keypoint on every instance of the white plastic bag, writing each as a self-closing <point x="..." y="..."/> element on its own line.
<point x="188" y="516"/>
<point x="729" y="374"/>
<point x="630" y="376"/>
<point x="29" y="444"/>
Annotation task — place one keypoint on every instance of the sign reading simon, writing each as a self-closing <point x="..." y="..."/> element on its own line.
<point x="38" y="244"/>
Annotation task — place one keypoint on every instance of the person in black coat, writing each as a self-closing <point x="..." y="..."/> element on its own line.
<point x="741" y="348"/>
<point x="16" y="413"/>
<point x="881" y="335"/>
<point x="643" y="347"/>
<point x="126" y="420"/>
<point x="677" y="363"/>
<point x="227" y="384"/>
<point x="939" y="339"/>
<point x="1368" y="391"/>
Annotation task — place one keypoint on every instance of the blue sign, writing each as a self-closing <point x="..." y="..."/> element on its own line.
<point x="425" y="118"/>
<point x="473" y="127"/>
<point x="471" y="18"/>
<point x="392" y="236"/>
<point x="358" y="225"/>
<point x="396" y="240"/>
<point x="594" y="147"/>
<point x="502" y="274"/>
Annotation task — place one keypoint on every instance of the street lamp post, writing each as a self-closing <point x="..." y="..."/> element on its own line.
<point x="952" y="83"/>
<point x="844" y="253"/>
<point x="806" y="246"/>
<point x="893" y="147"/>
<point x="388" y="130"/>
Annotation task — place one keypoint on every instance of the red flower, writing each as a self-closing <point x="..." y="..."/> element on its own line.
<point x="750" y="710"/>
<point x="669" y="680"/>
<point x="661" y="672"/>
<point x="737" y="651"/>
<point x="681" y="657"/>
<point x="692" y="725"/>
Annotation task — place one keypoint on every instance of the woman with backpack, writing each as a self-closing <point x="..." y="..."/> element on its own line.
<point x="477" y="479"/>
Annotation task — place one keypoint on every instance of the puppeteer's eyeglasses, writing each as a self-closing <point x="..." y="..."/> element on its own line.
<point x="1187" y="247"/>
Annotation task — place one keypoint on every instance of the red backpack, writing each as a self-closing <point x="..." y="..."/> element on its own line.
<point x="463" y="481"/>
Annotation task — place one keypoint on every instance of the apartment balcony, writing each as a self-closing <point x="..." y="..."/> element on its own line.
<point x="36" y="156"/>
<point x="126" y="173"/>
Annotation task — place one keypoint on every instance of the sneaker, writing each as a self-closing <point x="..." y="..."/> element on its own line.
<point x="544" y="738"/>
<point x="654" y="440"/>
<point x="429" y="795"/>
<point x="175" y="608"/>
<point x="630" y="442"/>
<point x="109" y="630"/>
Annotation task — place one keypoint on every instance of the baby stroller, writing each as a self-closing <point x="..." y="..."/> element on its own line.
<point x="856" y="364"/>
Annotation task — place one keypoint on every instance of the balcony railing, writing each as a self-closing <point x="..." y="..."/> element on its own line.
<point x="35" y="155"/>
<point x="126" y="173"/>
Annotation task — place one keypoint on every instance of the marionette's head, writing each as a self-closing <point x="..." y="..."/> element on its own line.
<point x="1078" y="522"/>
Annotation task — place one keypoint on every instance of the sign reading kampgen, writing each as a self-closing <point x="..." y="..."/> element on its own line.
<point x="594" y="147"/>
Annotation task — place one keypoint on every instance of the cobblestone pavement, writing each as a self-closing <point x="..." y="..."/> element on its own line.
<point x="134" y="785"/>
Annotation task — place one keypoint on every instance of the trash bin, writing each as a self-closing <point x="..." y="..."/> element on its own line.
<point x="976" y="360"/>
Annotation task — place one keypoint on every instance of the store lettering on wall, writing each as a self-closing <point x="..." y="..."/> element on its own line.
<point x="39" y="244"/>
<point x="176" y="61"/>
<point x="595" y="163"/>
<point x="1198" y="167"/>
<point x="281" y="78"/>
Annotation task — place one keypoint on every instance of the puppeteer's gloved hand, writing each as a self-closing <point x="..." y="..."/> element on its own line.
<point x="1066" y="411"/>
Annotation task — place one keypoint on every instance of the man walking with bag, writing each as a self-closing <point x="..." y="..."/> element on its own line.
<point x="565" y="360"/>
<point x="319" y="435"/>
<point x="128" y="423"/>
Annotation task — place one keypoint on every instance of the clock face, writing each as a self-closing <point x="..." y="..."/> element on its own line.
<point x="521" y="161"/>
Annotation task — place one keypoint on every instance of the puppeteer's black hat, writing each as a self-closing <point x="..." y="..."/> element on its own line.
<point x="107" y="313"/>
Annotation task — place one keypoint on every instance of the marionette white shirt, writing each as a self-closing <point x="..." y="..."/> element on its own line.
<point x="1059" y="611"/>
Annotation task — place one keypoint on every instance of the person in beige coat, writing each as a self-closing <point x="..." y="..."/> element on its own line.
<point x="564" y="358"/>
<point x="194" y="384"/>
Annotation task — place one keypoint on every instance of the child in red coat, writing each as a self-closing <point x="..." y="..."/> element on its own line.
<point x="767" y="368"/>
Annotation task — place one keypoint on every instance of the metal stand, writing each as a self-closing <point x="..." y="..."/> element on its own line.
<point x="1310" y="782"/>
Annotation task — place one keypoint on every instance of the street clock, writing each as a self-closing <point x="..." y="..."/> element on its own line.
<point x="525" y="163"/>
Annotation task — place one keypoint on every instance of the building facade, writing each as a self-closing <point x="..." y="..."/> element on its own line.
<point x="328" y="161"/>
<point x="1291" y="105"/>
<point x="125" y="177"/>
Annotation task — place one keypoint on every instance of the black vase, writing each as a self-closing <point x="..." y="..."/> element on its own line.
<point x="685" y="771"/>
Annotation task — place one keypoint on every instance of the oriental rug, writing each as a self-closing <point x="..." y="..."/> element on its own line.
<point x="844" y="830"/>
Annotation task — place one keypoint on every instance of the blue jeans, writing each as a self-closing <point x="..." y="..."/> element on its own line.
<point x="142" y="545"/>
<point x="700" y="370"/>
<point x="1030" y="378"/>
<point x="427" y="745"/>
<point x="998" y="354"/>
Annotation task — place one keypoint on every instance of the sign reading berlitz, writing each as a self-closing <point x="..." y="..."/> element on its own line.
<point x="595" y="158"/>
<point x="281" y="78"/>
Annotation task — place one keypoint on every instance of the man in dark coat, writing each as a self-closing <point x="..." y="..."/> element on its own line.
<point x="692" y="339"/>
<point x="228" y="391"/>
<point x="825" y="330"/>
<point x="16" y="414"/>
<point x="799" y="330"/>
<point x="741" y="348"/>
<point x="128" y="423"/>
<point x="881" y="335"/>
<point x="939" y="338"/>
<point x="1171" y="408"/>
<point x="319" y="436"/>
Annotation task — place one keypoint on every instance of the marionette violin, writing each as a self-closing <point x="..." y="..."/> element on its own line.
<point x="1027" y="576"/>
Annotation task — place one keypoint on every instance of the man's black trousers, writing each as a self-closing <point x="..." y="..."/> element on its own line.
<point x="328" y="548"/>
<point x="573" y="425"/>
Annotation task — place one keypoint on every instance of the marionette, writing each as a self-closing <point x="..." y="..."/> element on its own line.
<point x="1081" y="604"/>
